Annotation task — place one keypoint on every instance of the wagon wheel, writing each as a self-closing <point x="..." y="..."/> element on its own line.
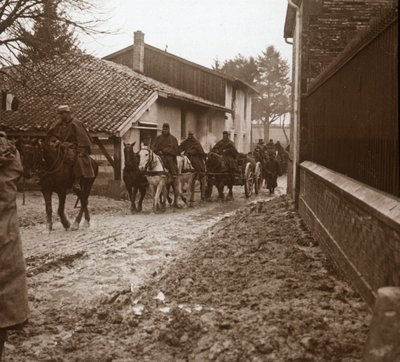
<point x="258" y="179"/>
<point x="248" y="180"/>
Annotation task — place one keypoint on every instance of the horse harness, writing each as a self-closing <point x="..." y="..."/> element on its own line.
<point x="150" y="162"/>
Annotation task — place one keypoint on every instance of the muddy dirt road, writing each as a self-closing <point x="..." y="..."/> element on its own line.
<point x="210" y="283"/>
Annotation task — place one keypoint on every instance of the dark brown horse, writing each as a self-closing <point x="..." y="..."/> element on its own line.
<point x="133" y="178"/>
<point x="55" y="176"/>
<point x="219" y="176"/>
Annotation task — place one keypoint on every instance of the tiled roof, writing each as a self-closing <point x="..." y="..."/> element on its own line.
<point x="101" y="94"/>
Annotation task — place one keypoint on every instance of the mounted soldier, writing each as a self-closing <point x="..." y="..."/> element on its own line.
<point x="76" y="139"/>
<point x="192" y="148"/>
<point x="227" y="149"/>
<point x="166" y="146"/>
<point x="259" y="150"/>
<point x="270" y="146"/>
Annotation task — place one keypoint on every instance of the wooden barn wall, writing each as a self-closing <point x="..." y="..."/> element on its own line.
<point x="125" y="58"/>
<point x="352" y="115"/>
<point x="184" y="76"/>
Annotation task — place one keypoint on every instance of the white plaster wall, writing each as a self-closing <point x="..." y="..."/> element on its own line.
<point x="171" y="114"/>
<point x="192" y="124"/>
<point x="228" y="104"/>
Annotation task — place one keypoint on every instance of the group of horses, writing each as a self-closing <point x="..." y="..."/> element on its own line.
<point x="143" y="171"/>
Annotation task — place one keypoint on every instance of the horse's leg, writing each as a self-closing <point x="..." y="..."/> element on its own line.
<point x="49" y="210"/>
<point x="220" y="186"/>
<point x="180" y="186"/>
<point x="208" y="190"/>
<point x="61" y="209"/>
<point x="176" y="186"/>
<point x="164" y="193"/>
<point x="84" y="198"/>
<point x="133" y="199"/>
<point x="202" y="180"/>
<point x="167" y="197"/>
<point x="157" y="203"/>
<point x="86" y="203"/>
<point x="129" y="189"/>
<point x="142" y="190"/>
<point x="230" y="186"/>
<point x="191" y="188"/>
<point x="153" y="194"/>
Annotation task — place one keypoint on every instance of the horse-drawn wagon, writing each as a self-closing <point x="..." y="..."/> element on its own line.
<point x="249" y="176"/>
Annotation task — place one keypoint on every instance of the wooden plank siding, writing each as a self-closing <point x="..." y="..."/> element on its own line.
<point x="183" y="76"/>
<point x="352" y="112"/>
<point x="123" y="57"/>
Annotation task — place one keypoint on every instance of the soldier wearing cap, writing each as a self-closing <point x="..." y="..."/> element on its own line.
<point x="226" y="148"/>
<point x="166" y="146"/>
<point x="195" y="152"/>
<point x="74" y="136"/>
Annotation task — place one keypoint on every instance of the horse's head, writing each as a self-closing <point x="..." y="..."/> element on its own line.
<point x="31" y="155"/>
<point x="269" y="156"/>
<point x="51" y="149"/>
<point x="146" y="158"/>
<point x="131" y="159"/>
<point x="214" y="162"/>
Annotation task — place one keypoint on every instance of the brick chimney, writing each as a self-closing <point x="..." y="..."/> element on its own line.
<point x="138" y="51"/>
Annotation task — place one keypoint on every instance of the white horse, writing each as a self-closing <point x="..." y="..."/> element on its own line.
<point x="158" y="177"/>
<point x="186" y="175"/>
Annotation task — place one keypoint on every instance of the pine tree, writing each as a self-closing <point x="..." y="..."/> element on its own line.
<point x="273" y="84"/>
<point x="49" y="36"/>
<point x="269" y="74"/>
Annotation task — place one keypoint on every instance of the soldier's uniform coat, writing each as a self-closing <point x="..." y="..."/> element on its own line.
<point x="13" y="291"/>
<point x="195" y="153"/>
<point x="75" y="133"/>
<point x="168" y="145"/>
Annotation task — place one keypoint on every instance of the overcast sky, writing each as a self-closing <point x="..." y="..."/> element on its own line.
<point x="197" y="30"/>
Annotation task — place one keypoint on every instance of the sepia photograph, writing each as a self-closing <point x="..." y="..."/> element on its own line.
<point x="199" y="181"/>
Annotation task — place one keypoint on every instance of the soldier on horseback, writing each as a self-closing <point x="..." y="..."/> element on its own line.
<point x="194" y="151"/>
<point x="166" y="146"/>
<point x="270" y="146"/>
<point x="259" y="151"/>
<point x="227" y="149"/>
<point x="76" y="139"/>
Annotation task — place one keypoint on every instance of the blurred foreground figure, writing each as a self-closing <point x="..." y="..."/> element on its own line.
<point x="13" y="292"/>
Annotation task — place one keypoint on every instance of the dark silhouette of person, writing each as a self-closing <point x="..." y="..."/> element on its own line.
<point x="192" y="148"/>
<point x="271" y="146"/>
<point x="166" y="146"/>
<point x="227" y="149"/>
<point x="74" y="136"/>
<point x="14" y="310"/>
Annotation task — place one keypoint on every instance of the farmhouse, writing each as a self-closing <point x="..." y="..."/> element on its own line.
<point x="115" y="103"/>
<point x="217" y="87"/>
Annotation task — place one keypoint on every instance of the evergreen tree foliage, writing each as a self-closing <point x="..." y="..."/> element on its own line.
<point x="49" y="36"/>
<point x="273" y="83"/>
<point x="269" y="74"/>
<point x="241" y="67"/>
